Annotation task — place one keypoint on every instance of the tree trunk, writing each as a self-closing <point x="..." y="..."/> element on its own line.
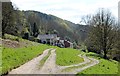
<point x="105" y="54"/>
<point x="3" y="34"/>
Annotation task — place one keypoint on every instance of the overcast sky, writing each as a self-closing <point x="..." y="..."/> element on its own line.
<point x="71" y="10"/>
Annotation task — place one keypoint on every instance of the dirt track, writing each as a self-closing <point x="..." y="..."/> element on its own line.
<point x="50" y="67"/>
<point x="31" y="66"/>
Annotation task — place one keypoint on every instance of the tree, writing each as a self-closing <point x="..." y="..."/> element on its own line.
<point x="55" y="32"/>
<point x="102" y="34"/>
<point x="34" y="22"/>
<point x="86" y="19"/>
<point x="25" y="33"/>
<point x="20" y="23"/>
<point x="7" y="16"/>
<point x="116" y="50"/>
<point x="35" y="30"/>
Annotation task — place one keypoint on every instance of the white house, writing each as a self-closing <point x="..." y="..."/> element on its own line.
<point x="48" y="38"/>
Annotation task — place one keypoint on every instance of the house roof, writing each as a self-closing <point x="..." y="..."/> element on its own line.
<point x="69" y="42"/>
<point x="49" y="36"/>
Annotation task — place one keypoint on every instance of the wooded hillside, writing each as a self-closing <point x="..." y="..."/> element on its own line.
<point x="34" y="23"/>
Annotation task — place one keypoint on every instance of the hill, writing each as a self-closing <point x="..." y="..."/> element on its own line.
<point x="49" y="23"/>
<point x="41" y="23"/>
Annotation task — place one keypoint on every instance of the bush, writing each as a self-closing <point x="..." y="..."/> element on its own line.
<point x="8" y="36"/>
<point x="26" y="36"/>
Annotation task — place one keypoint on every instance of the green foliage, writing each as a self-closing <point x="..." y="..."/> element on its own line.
<point x="26" y="36"/>
<point x="92" y="54"/>
<point x="83" y="48"/>
<point x="7" y="16"/>
<point x="37" y="22"/>
<point x="35" y="30"/>
<point x="102" y="36"/>
<point x="51" y="24"/>
<point x="67" y="56"/>
<point x="11" y="37"/>
<point x="104" y="67"/>
<point x="14" y="57"/>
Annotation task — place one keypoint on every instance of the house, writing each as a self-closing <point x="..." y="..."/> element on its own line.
<point x="68" y="44"/>
<point x="51" y="39"/>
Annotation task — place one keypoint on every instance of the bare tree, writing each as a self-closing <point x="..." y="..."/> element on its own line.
<point x="86" y="19"/>
<point x="102" y="34"/>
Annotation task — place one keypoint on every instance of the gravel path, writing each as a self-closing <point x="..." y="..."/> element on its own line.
<point x="75" y="71"/>
<point x="30" y="67"/>
<point x="50" y="67"/>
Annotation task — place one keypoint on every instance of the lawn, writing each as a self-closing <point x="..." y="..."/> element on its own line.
<point x="104" y="67"/>
<point x="76" y="67"/>
<point x="14" y="57"/>
<point x="22" y="42"/>
<point x="68" y="56"/>
<point x="0" y="59"/>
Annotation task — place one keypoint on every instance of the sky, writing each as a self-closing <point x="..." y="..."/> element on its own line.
<point x="71" y="10"/>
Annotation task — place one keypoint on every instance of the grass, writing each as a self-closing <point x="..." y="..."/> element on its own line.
<point x="67" y="56"/>
<point x="0" y="70"/>
<point x="75" y="67"/>
<point x="22" y="42"/>
<point x="44" y="59"/>
<point x="14" y="57"/>
<point x="0" y="60"/>
<point x="104" y="67"/>
<point x="11" y="37"/>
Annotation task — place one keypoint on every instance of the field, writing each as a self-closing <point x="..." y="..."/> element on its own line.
<point x="67" y="56"/>
<point x="14" y="57"/>
<point x="0" y="60"/>
<point x="76" y="67"/>
<point x="104" y="67"/>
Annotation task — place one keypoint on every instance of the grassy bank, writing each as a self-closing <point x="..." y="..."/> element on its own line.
<point x="0" y="61"/>
<point x="76" y="67"/>
<point x="104" y="67"/>
<point x="67" y="56"/>
<point x="14" y="57"/>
